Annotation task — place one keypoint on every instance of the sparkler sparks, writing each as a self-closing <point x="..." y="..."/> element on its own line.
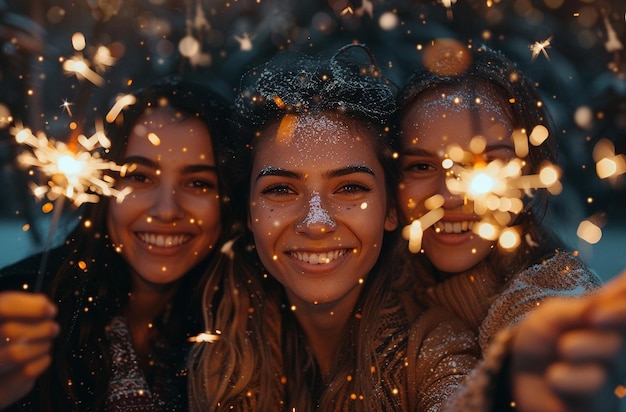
<point x="205" y="337"/>
<point x="494" y="190"/>
<point x="540" y="47"/>
<point x="66" y="107"/>
<point x="77" y="176"/>
<point x="79" y="66"/>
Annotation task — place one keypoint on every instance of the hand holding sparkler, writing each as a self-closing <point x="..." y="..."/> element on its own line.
<point x="570" y="353"/>
<point x="28" y="329"/>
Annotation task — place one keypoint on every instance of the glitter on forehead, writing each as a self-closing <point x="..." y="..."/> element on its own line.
<point x="314" y="135"/>
<point x="464" y="100"/>
<point x="317" y="214"/>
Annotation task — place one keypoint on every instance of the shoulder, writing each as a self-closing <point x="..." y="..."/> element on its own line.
<point x="562" y="271"/>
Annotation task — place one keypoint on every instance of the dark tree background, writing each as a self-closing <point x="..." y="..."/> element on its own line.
<point x="585" y="72"/>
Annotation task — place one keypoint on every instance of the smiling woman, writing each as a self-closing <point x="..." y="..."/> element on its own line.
<point x="127" y="280"/>
<point x="322" y="182"/>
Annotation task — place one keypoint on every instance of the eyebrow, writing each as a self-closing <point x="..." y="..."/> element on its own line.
<point x="276" y="171"/>
<point x="188" y="169"/>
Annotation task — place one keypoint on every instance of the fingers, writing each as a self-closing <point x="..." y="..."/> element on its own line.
<point x="19" y="355"/>
<point x="590" y="345"/>
<point x="576" y="379"/>
<point x="12" y="331"/>
<point x="25" y="305"/>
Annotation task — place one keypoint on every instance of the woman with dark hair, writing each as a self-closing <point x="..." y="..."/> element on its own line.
<point x="127" y="282"/>
<point x="551" y="338"/>
<point x="321" y="203"/>
<point x="481" y="100"/>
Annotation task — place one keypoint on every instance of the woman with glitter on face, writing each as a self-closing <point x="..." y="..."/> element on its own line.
<point x="482" y="97"/>
<point x="475" y="104"/>
<point x="126" y="287"/>
<point x="322" y="215"/>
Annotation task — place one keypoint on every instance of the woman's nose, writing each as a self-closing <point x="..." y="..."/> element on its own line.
<point x="166" y="206"/>
<point x="450" y="200"/>
<point x="317" y="219"/>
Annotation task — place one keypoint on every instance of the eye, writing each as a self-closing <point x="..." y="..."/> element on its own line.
<point x="354" y="187"/>
<point x="136" y="177"/>
<point x="203" y="184"/>
<point x="278" y="189"/>
<point x="419" y="166"/>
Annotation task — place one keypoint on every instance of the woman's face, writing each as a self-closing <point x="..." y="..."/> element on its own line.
<point x="431" y="123"/>
<point x="171" y="219"/>
<point x="318" y="207"/>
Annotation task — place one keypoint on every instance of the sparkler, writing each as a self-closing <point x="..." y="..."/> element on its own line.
<point x="74" y="175"/>
<point x="495" y="190"/>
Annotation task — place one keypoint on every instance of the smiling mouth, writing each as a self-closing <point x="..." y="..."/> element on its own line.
<point x="318" y="258"/>
<point x="153" y="239"/>
<point x="453" y="227"/>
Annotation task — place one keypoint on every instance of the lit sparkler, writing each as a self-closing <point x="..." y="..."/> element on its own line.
<point x="77" y="176"/>
<point x="494" y="189"/>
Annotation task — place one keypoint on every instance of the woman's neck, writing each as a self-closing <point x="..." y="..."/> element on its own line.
<point x="146" y="302"/>
<point x="325" y="327"/>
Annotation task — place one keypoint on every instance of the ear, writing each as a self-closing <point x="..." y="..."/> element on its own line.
<point x="391" y="221"/>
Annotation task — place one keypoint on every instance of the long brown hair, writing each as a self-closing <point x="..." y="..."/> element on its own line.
<point x="347" y="83"/>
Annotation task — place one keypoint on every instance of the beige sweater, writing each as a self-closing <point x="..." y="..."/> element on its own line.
<point x="494" y="316"/>
<point x="488" y="305"/>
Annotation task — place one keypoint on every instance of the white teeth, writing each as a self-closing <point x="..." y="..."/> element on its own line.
<point x="453" y="227"/>
<point x="318" y="258"/>
<point x="162" y="240"/>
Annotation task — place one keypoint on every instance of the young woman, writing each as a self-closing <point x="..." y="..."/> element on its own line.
<point x="565" y="354"/>
<point x="483" y="105"/>
<point x="322" y="184"/>
<point x="126" y="284"/>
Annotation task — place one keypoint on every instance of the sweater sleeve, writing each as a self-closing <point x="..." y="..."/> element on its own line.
<point x="487" y="387"/>
<point x="443" y="351"/>
<point x="561" y="275"/>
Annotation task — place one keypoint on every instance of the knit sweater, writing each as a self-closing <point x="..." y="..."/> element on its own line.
<point x="488" y="305"/>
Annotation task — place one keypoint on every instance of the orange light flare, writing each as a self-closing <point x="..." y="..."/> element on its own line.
<point x="74" y="174"/>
